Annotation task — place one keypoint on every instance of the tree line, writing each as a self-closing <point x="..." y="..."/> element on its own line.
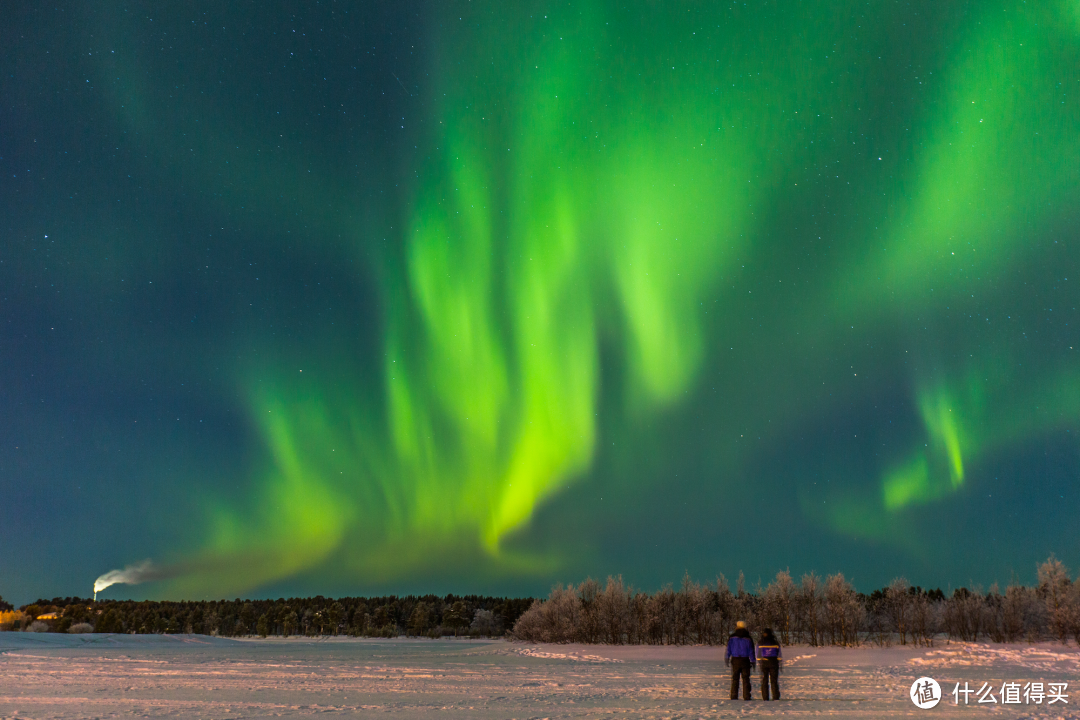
<point x="390" y="616"/>
<point x="814" y="611"/>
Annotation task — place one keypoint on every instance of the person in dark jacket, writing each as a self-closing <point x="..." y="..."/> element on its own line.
<point x="740" y="656"/>
<point x="768" y="652"/>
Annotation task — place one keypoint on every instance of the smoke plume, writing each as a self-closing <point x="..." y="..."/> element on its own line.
<point x="132" y="575"/>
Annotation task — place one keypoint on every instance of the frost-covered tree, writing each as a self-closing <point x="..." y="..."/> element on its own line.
<point x="1058" y="594"/>
<point x="483" y="623"/>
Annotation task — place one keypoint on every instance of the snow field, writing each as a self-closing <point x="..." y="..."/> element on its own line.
<point x="190" y="676"/>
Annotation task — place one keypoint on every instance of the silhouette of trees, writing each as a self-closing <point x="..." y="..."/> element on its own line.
<point x="456" y="616"/>
<point x="812" y="611"/>
<point x="380" y="617"/>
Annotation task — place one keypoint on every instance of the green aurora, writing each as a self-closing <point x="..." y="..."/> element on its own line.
<point x="614" y="245"/>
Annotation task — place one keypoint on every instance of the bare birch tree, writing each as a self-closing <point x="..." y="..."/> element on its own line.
<point x="843" y="613"/>
<point x="808" y="603"/>
<point x="614" y="614"/>
<point x="898" y="607"/>
<point x="1056" y="590"/>
<point x="779" y="603"/>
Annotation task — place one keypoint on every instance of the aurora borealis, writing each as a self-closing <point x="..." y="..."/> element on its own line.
<point x="481" y="296"/>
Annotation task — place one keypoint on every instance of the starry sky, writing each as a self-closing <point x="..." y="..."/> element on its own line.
<point x="356" y="297"/>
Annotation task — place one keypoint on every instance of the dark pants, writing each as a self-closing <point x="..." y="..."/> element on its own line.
<point x="770" y="673"/>
<point x="740" y="667"/>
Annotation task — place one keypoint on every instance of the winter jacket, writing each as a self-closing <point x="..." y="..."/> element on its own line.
<point x="740" y="645"/>
<point x="768" y="648"/>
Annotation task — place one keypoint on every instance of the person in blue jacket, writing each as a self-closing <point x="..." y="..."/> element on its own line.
<point x="768" y="652"/>
<point x="740" y="656"/>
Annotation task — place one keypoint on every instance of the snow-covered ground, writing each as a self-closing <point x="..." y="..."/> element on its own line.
<point x="192" y="676"/>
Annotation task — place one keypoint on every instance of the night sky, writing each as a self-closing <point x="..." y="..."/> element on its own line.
<point x="356" y="297"/>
